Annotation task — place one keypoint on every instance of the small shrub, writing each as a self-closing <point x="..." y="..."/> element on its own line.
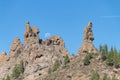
<point x="86" y="61"/>
<point x="18" y="70"/>
<point x="56" y="65"/>
<point x="114" y="78"/>
<point x="87" y="58"/>
<point x="105" y="77"/>
<point x="7" y="78"/>
<point x="49" y="71"/>
<point x="21" y="67"/>
<point x="95" y="76"/>
<point x="66" y="60"/>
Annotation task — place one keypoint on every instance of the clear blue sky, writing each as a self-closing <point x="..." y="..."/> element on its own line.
<point x="66" y="18"/>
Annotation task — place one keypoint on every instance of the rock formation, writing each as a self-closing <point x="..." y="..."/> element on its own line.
<point x="88" y="39"/>
<point x="31" y="34"/>
<point x="55" y="40"/>
<point x="3" y="56"/>
<point x="38" y="56"/>
<point x="16" y="48"/>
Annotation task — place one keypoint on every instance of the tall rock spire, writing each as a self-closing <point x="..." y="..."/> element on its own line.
<point x="88" y="39"/>
<point x="31" y="34"/>
<point x="28" y="29"/>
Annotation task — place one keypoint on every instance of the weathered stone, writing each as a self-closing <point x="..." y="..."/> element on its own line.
<point x="16" y="47"/>
<point x="35" y="30"/>
<point x="31" y="34"/>
<point x="55" y="40"/>
<point x="3" y="56"/>
<point x="37" y="58"/>
<point x="88" y="39"/>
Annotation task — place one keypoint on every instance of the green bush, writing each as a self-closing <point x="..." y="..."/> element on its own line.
<point x="95" y="76"/>
<point x="18" y="70"/>
<point x="114" y="78"/>
<point x="56" y="65"/>
<point x="21" y="67"/>
<point x="7" y="78"/>
<point x="49" y="71"/>
<point x="105" y="77"/>
<point x="66" y="60"/>
<point x="87" y="58"/>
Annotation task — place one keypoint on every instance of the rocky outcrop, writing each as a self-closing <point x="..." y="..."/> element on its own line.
<point x="88" y="39"/>
<point x="16" y="48"/>
<point x="31" y="34"/>
<point x="55" y="40"/>
<point x="38" y="56"/>
<point x="3" y="56"/>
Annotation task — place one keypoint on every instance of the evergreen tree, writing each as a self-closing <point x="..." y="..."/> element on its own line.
<point x="104" y="51"/>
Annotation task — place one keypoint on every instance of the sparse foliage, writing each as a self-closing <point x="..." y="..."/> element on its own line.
<point x="66" y="60"/>
<point x="56" y="65"/>
<point x="87" y="58"/>
<point x="49" y="71"/>
<point x="105" y="77"/>
<point x="95" y="76"/>
<point x="7" y="78"/>
<point x="18" y="70"/>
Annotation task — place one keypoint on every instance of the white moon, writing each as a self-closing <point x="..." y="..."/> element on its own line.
<point x="47" y="35"/>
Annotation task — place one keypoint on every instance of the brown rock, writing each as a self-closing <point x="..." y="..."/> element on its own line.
<point x="3" y="57"/>
<point x="35" y="30"/>
<point x="55" y="40"/>
<point x="88" y="38"/>
<point x="31" y="34"/>
<point x="28" y="29"/>
<point x="16" y="47"/>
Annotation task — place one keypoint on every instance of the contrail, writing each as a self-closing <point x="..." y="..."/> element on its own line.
<point x="110" y="16"/>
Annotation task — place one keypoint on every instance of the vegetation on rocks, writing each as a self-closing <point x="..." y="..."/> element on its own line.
<point x="56" y="65"/>
<point x="40" y="56"/>
<point x="66" y="60"/>
<point x="49" y="71"/>
<point x="7" y="78"/>
<point x="95" y="76"/>
<point x="87" y="58"/>
<point x="18" y="70"/>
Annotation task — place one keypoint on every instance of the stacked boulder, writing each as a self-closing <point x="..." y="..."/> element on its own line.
<point x="88" y="46"/>
<point x="31" y="34"/>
